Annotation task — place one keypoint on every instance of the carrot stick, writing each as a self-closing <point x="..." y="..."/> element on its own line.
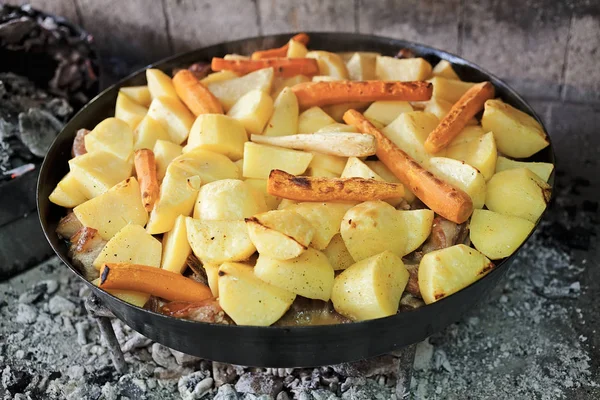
<point x="284" y="67"/>
<point x="280" y="51"/>
<point x="195" y="95"/>
<point x="446" y="200"/>
<point x="155" y="281"/>
<point x="305" y="188"/>
<point x="461" y="112"/>
<point x="145" y="168"/>
<point x="311" y="94"/>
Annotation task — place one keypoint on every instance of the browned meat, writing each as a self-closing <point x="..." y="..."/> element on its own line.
<point x="68" y="226"/>
<point x="305" y="312"/>
<point x="410" y="302"/>
<point x="79" y="143"/>
<point x="199" y="69"/>
<point x="412" y="286"/>
<point x="207" y="310"/>
<point x="444" y="234"/>
<point x="405" y="53"/>
<point x="86" y="244"/>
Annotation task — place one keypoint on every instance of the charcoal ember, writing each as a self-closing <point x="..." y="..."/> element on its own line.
<point x="163" y="357"/>
<point x="14" y="381"/>
<point x="259" y="383"/>
<point x="382" y="365"/>
<point x="224" y="373"/>
<point x="183" y="359"/>
<point x="226" y="392"/>
<point x="38" y="128"/>
<point x="195" y="385"/>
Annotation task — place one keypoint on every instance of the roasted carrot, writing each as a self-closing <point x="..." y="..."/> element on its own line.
<point x="195" y="95"/>
<point x="284" y="67"/>
<point x="280" y="51"/>
<point x="155" y="281"/>
<point x="446" y="200"/>
<point x="145" y="169"/>
<point x="319" y="94"/>
<point x="308" y="188"/>
<point x="461" y="112"/>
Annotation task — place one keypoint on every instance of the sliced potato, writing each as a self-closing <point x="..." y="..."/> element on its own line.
<point x="220" y="76"/>
<point x="296" y="49"/>
<point x="543" y="170"/>
<point x="409" y="132"/>
<point x="271" y="201"/>
<point x="208" y="165"/>
<point x="338" y="255"/>
<point x="327" y="162"/>
<point x="176" y="248"/>
<point x="228" y="200"/>
<point x="346" y="56"/>
<point x="329" y="64"/>
<point x="417" y="224"/>
<point x="449" y="89"/>
<point x="384" y="112"/>
<point x="407" y="69"/>
<point x="111" y="211"/>
<point x="253" y="110"/>
<point x="337" y="111"/>
<point x="309" y="275"/>
<point x="219" y="241"/>
<point x="98" y="171"/>
<point x="468" y="134"/>
<point x="313" y="119"/>
<point x="518" y="192"/>
<point x="373" y="227"/>
<point x="370" y="288"/>
<point x="280" y="83"/>
<point x="229" y="91"/>
<point x="284" y="120"/>
<point x="248" y="300"/>
<point x="139" y="94"/>
<point x="113" y="136"/>
<point x="212" y="276"/>
<point x="285" y="203"/>
<point x="160" y="84"/>
<point x="480" y="153"/>
<point x="68" y="192"/>
<point x="318" y="172"/>
<point x="165" y="152"/>
<point x="517" y="134"/>
<point x="324" y="217"/>
<point x="445" y="70"/>
<point x="280" y="234"/>
<point x="496" y="235"/>
<point x="131" y="245"/>
<point x="361" y="67"/>
<point x="356" y="168"/>
<point x="147" y="133"/>
<point x="260" y="159"/>
<point x="462" y="176"/>
<point x="173" y="115"/>
<point x="219" y="133"/>
<point x="446" y="271"/>
<point x="129" y="111"/>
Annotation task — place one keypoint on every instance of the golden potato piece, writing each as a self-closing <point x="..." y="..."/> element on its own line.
<point x="253" y="110"/>
<point x="384" y="112"/>
<point x="407" y="69"/>
<point x="543" y="170"/>
<point x="129" y="111"/>
<point x="98" y="171"/>
<point x="260" y="159"/>
<point x="284" y="120"/>
<point x="173" y="115"/>
<point x="329" y="64"/>
<point x="462" y="176"/>
<point x="113" y="136"/>
<point x="313" y="119"/>
<point x="67" y="193"/>
<point x="229" y="91"/>
<point x="228" y="200"/>
<point x="176" y="248"/>
<point x="165" y="152"/>
<point x="409" y="132"/>
<point x="338" y="255"/>
<point x="147" y="133"/>
<point x="480" y="153"/>
<point x="219" y="133"/>
<point x="496" y="235"/>
<point x="160" y="84"/>
<point x="417" y="225"/>
<point x="132" y="244"/>
<point x="324" y="217"/>
<point x="217" y="242"/>
<point x="139" y="94"/>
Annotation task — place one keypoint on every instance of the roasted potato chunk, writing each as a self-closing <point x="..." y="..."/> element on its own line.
<point x="217" y="242"/>
<point x="228" y="200"/>
<point x="496" y="235"/>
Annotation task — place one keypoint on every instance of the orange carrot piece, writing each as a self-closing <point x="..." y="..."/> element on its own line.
<point x="319" y="94"/>
<point x="309" y="188"/>
<point x="155" y="281"/>
<point x="284" y="67"/>
<point x="145" y="168"/>
<point x="461" y="112"/>
<point x="280" y="51"/>
<point x="446" y="200"/>
<point x="195" y="95"/>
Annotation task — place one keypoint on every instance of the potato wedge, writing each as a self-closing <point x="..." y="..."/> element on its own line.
<point x="129" y="111"/>
<point x="260" y="159"/>
<point x="208" y="165"/>
<point x="417" y="224"/>
<point x="139" y="94"/>
<point x="356" y="168"/>
<point x="371" y="228"/>
<point x="385" y="112"/>
<point x="113" y="136"/>
<point x="519" y="193"/>
<point x="370" y="288"/>
<point x="159" y="84"/>
<point x="111" y="211"/>
<point x="407" y="69"/>
<point x="296" y="49"/>
<point x="284" y="120"/>
<point x="217" y="242"/>
<point x="212" y="276"/>
<point x="147" y="132"/>
<point x="337" y="111"/>
<point x="98" y="171"/>
<point x="496" y="235"/>
<point x="313" y="119"/>
<point x="449" y="89"/>
<point x="446" y="271"/>
<point x="326" y="219"/>
<point x="480" y="153"/>
<point x="409" y="132"/>
<point x="309" y="275"/>
<point x="229" y="91"/>
<point x="361" y="67"/>
<point x="517" y="134"/>
<point x="327" y="162"/>
<point x="260" y="185"/>
<point x="133" y="245"/>
<point x="219" y="133"/>
<point x="253" y="110"/>
<point x="329" y="64"/>
<point x="338" y="255"/>
<point x="219" y="77"/>
<point x="165" y="152"/>
<point x="249" y="300"/>
<point x="469" y="133"/>
<point x="173" y="115"/>
<point x="445" y="70"/>
<point x="280" y="83"/>
<point x="67" y="193"/>
<point x="462" y="176"/>
<point x="543" y="170"/>
<point x="176" y="248"/>
<point x="228" y="200"/>
<point x="280" y="234"/>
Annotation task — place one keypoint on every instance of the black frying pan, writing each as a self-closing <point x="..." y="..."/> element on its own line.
<point x="276" y="346"/>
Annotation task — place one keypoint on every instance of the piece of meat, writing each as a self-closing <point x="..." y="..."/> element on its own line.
<point x="207" y="310"/>
<point x="86" y="244"/>
<point x="199" y="70"/>
<point x="409" y="302"/>
<point x="307" y="312"/>
<point x="78" y="148"/>
<point x="443" y="234"/>
<point x="412" y="286"/>
<point x="68" y="226"/>
<point x="405" y="53"/>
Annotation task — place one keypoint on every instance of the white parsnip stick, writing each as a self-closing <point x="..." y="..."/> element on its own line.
<point x="342" y="144"/>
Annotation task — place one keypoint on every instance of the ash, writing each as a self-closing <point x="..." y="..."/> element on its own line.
<point x="527" y="341"/>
